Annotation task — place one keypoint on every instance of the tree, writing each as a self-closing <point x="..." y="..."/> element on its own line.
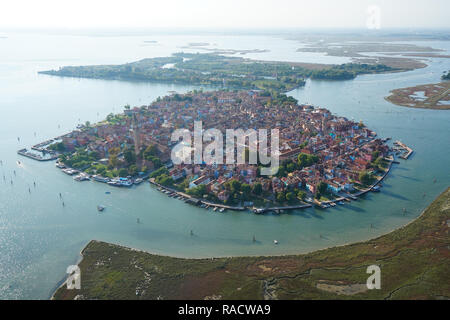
<point x="290" y="167"/>
<point x="246" y="189"/>
<point x="290" y="196"/>
<point x="164" y="179"/>
<point x="150" y="151"/>
<point x="133" y="170"/>
<point x="306" y="160"/>
<point x="114" y="151"/>
<point x="197" y="191"/>
<point x="322" y="188"/>
<point x="281" y="197"/>
<point x="130" y="156"/>
<point x="113" y="161"/>
<point x="235" y="186"/>
<point x="158" y="172"/>
<point x="365" y="177"/>
<point x="257" y="188"/>
<point x="123" y="172"/>
<point x="301" y="195"/>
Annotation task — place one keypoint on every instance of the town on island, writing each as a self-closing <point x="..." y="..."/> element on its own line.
<point x="324" y="159"/>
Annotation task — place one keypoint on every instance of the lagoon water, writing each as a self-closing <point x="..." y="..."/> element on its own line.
<point x="39" y="237"/>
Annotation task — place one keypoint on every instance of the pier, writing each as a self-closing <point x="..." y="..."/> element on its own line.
<point x="34" y="156"/>
<point x="279" y="209"/>
<point x="407" y="150"/>
<point x="191" y="200"/>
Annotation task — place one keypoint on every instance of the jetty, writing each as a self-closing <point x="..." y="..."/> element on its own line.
<point x="407" y="151"/>
<point x="280" y="209"/>
<point x="24" y="152"/>
<point x="192" y="200"/>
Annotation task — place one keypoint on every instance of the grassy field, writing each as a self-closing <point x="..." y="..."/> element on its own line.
<point x="414" y="262"/>
<point x="434" y="96"/>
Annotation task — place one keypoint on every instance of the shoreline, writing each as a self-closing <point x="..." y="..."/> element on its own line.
<point x="403" y="97"/>
<point x="62" y="282"/>
<point x="261" y="257"/>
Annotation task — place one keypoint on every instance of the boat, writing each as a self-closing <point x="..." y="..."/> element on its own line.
<point x="60" y="165"/>
<point x="275" y="241"/>
<point x="120" y="182"/>
<point x="376" y="189"/>
<point x="215" y="209"/>
<point x="138" y="181"/>
<point x="81" y="177"/>
<point x="69" y="171"/>
<point x="107" y="192"/>
<point x="258" y="210"/>
<point x="99" y="178"/>
<point x="113" y="183"/>
<point x="221" y="209"/>
<point x="100" y="208"/>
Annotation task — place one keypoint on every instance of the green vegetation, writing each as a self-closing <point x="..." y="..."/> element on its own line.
<point x="198" y="191"/>
<point x="446" y="75"/>
<point x="414" y="264"/>
<point x="366" y="178"/>
<point x="81" y="159"/>
<point x="57" y="146"/>
<point x="348" y="71"/>
<point x="306" y="160"/>
<point x="159" y="172"/>
<point x="216" y="70"/>
<point x="436" y="95"/>
<point x="118" y="166"/>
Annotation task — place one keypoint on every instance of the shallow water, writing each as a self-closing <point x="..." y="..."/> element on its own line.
<point x="39" y="237"/>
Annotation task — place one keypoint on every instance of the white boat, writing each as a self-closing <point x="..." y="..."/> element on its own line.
<point x="120" y="182"/>
<point x="81" y="177"/>
<point x="99" y="178"/>
<point x="60" y="165"/>
<point x="69" y="171"/>
<point x="100" y="208"/>
<point x="275" y="241"/>
<point x="221" y="209"/>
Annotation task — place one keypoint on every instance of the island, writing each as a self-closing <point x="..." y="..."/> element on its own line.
<point x="215" y="70"/>
<point x="324" y="159"/>
<point x="427" y="96"/>
<point x="413" y="260"/>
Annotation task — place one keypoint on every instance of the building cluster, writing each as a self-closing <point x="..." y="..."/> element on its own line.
<point x="343" y="147"/>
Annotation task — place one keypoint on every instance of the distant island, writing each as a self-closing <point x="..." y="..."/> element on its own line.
<point x="210" y="69"/>
<point x="446" y="75"/>
<point x="427" y="96"/>
<point x="413" y="259"/>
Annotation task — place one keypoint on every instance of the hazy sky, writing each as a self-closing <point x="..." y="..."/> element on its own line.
<point x="221" y="13"/>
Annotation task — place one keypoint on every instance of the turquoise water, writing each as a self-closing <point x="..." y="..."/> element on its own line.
<point x="39" y="237"/>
